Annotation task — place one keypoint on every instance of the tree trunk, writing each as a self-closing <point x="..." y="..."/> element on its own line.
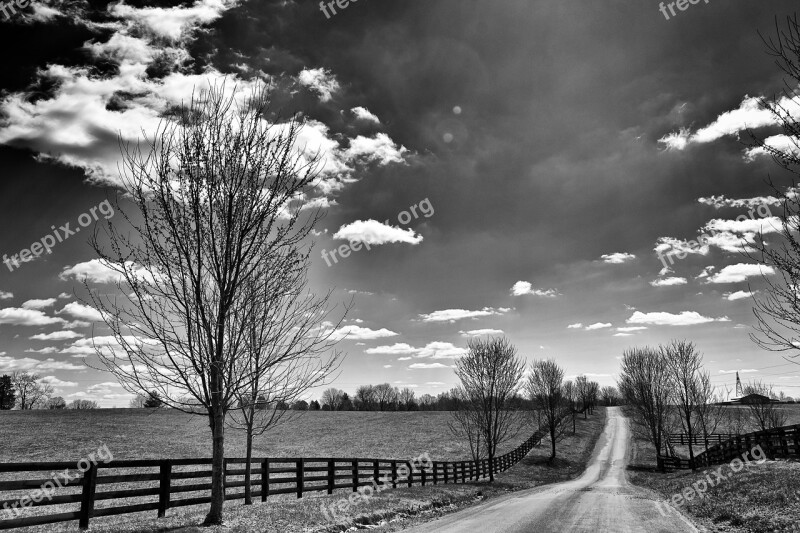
<point x="248" y="492"/>
<point x="573" y="420"/>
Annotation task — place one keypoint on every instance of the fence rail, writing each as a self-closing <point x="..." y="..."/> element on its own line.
<point x="683" y="439"/>
<point x="781" y="442"/>
<point x="172" y="483"/>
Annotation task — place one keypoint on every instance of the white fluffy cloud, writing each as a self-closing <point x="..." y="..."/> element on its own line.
<point x="39" y="304"/>
<point x="362" y="113"/>
<point x="750" y="114"/>
<point x="451" y="315"/>
<point x="6" y="295"/>
<point x="598" y="325"/>
<point x="376" y="233"/>
<point x="27" y="317"/>
<point x="380" y="149"/>
<point x="10" y="364"/>
<point x="479" y="332"/>
<point x="668" y="282"/>
<point x="358" y="333"/>
<point x="427" y="366"/>
<point x="686" y="318"/>
<point x="740" y="272"/>
<point x="617" y="258"/>
<point x="433" y="350"/>
<point x="320" y="81"/>
<point x="522" y="288"/>
<point x="577" y="325"/>
<point x="81" y="312"/>
<point x="738" y="295"/>
<point x="56" y="336"/>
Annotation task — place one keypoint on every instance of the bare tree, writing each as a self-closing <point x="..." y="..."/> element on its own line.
<point x="385" y="396"/>
<point x="645" y="385"/>
<point x="406" y="399"/>
<point x="545" y="387"/>
<point x="56" y="403"/>
<point x="490" y="375"/>
<point x="216" y="194"/>
<point x="582" y="388"/>
<point x="31" y="391"/>
<point x="333" y="398"/>
<point x="82" y="405"/>
<point x="571" y="397"/>
<point x="767" y="413"/>
<point x="365" y="397"/>
<point x="685" y="365"/>
<point x="609" y="395"/>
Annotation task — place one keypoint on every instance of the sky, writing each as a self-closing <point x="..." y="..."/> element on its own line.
<point x="522" y="168"/>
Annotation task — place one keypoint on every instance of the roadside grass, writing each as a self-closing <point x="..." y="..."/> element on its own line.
<point x="758" y="499"/>
<point x="135" y="434"/>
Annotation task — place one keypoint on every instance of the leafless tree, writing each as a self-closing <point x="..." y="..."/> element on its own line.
<point x="582" y="388"/>
<point x="288" y="345"/>
<point x="490" y="375"/>
<point x="594" y="395"/>
<point x="645" y="385"/>
<point x="767" y="414"/>
<point x="571" y="397"/>
<point x="406" y="399"/>
<point x="545" y="387"/>
<point x="82" y="405"/>
<point x="609" y="395"/>
<point x="777" y="309"/>
<point x="385" y="396"/>
<point x="31" y="391"/>
<point x="365" y="397"/>
<point x="685" y="364"/>
<point x="217" y="194"/>
<point x="56" y="403"/>
<point x="333" y="398"/>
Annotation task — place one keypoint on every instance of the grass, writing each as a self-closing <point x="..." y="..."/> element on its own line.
<point x="69" y="435"/>
<point x="758" y="499"/>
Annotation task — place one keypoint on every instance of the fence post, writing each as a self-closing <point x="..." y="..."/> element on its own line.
<point x="376" y="474"/>
<point x="446" y="466"/>
<point x="87" y="496"/>
<point x="410" y="473"/>
<point x="355" y="476"/>
<point x="331" y="478"/>
<point x="394" y="474"/>
<point x="264" y="479"/>
<point x="165" y="477"/>
<point x="300" y="478"/>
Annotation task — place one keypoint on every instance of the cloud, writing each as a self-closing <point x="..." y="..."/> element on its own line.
<point x="172" y="23"/>
<point x="522" y="288"/>
<point x="479" y="332"/>
<point x="617" y="258"/>
<point x="373" y="232"/>
<point x="433" y="350"/>
<point x="39" y="304"/>
<point x="55" y="382"/>
<point x="749" y="115"/>
<point x="745" y="371"/>
<point x="27" y="317"/>
<point x="451" y="315"/>
<point x="358" y="333"/>
<point x="623" y="335"/>
<point x="628" y="329"/>
<point x="577" y="325"/>
<point x="668" y="282"/>
<point x="738" y="295"/>
<point x="782" y="143"/>
<point x="423" y="366"/>
<point x="320" y="81"/>
<point x="81" y="312"/>
<point x="56" y="336"/>
<point x="740" y="272"/>
<point x="10" y="364"/>
<point x="6" y="295"/>
<point x="99" y="271"/>
<point x="679" y="247"/>
<point x="721" y="201"/>
<point x="686" y="318"/>
<point x="362" y="113"/>
<point x="598" y="325"/>
<point x="380" y="149"/>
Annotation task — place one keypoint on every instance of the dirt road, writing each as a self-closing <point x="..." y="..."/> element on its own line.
<point x="600" y="501"/>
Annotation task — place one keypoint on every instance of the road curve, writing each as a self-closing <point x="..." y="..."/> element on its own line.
<point x="599" y="501"/>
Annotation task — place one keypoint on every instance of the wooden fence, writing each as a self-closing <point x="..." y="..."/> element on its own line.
<point x="716" y="438"/>
<point x="781" y="442"/>
<point x="159" y="485"/>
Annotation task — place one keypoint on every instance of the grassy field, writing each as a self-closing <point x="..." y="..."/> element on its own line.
<point x="68" y="435"/>
<point x="760" y="498"/>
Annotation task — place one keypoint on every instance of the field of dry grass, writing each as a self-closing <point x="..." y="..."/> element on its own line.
<point x="40" y="436"/>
